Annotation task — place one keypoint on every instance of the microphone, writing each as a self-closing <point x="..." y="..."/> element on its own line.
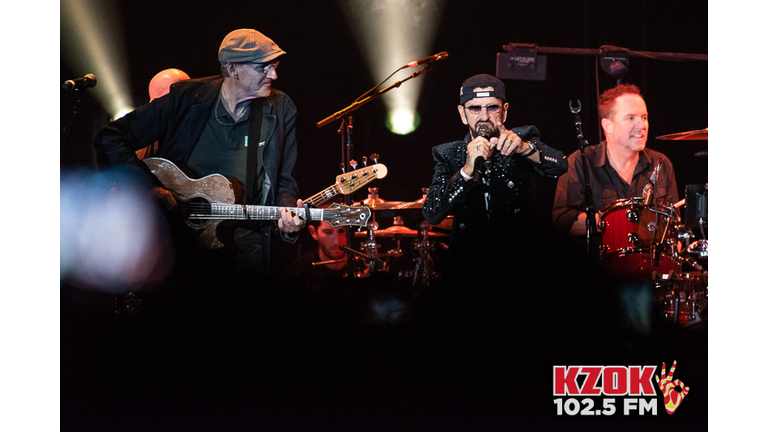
<point x="484" y="131"/>
<point x="83" y="83"/>
<point x="648" y="189"/>
<point x="430" y="59"/>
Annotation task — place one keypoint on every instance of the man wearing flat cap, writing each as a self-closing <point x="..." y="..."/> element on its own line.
<point x="486" y="181"/>
<point x="236" y="125"/>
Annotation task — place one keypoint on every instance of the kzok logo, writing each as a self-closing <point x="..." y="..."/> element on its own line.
<point x="631" y="383"/>
<point x="617" y="380"/>
<point x="672" y="397"/>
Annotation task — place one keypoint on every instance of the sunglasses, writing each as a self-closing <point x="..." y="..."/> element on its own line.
<point x="476" y="109"/>
<point x="265" y="67"/>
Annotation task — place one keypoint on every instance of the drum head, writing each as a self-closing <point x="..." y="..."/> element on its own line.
<point x="638" y="264"/>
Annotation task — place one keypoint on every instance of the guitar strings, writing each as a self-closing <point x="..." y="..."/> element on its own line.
<point x="203" y="211"/>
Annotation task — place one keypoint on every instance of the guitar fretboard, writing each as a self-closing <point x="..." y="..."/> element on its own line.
<point x="248" y="212"/>
<point x="323" y="196"/>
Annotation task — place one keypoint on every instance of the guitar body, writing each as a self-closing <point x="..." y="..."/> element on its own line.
<point x="214" y="188"/>
<point x="212" y="198"/>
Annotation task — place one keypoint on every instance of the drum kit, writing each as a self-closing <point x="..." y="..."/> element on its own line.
<point x="416" y="265"/>
<point x="650" y="241"/>
<point x="640" y="240"/>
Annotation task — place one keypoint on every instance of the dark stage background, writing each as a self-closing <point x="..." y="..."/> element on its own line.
<point x="324" y="72"/>
<point x="219" y="361"/>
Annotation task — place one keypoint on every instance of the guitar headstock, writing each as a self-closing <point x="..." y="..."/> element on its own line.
<point x="354" y="180"/>
<point x="338" y="215"/>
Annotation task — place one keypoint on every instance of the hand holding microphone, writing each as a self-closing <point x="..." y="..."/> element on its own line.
<point x="478" y="150"/>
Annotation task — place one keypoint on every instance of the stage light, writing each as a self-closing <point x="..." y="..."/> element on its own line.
<point x="92" y="42"/>
<point x="402" y="121"/>
<point x="121" y="112"/>
<point x="390" y="34"/>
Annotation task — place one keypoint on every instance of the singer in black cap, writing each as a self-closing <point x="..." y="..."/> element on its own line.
<point x="486" y="181"/>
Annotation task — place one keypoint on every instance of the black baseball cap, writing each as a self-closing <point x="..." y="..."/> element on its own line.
<point x="467" y="92"/>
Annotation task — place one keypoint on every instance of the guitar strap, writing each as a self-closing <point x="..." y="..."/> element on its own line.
<point x="257" y="133"/>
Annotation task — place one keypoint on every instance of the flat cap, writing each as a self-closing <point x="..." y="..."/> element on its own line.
<point x="248" y="45"/>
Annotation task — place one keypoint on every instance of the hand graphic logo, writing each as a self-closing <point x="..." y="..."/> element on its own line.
<point x="672" y="397"/>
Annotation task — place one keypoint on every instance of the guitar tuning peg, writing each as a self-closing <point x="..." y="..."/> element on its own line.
<point x="353" y="164"/>
<point x="375" y="157"/>
<point x="365" y="161"/>
<point x="342" y="168"/>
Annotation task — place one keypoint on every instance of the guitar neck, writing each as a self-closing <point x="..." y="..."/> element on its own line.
<point x="349" y="182"/>
<point x="322" y="196"/>
<point x="249" y="212"/>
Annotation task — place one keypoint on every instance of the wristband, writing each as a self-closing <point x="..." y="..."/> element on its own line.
<point x="533" y="149"/>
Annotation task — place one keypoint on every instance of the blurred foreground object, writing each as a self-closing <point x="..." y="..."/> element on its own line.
<point x="112" y="239"/>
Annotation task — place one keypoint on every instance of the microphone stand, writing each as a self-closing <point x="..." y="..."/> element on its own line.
<point x="68" y="128"/>
<point x="347" y="125"/>
<point x="358" y="103"/>
<point x="589" y="206"/>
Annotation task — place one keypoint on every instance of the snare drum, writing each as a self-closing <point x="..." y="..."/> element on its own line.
<point x="633" y="233"/>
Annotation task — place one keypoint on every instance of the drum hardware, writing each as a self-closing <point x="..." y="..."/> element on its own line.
<point x="328" y="262"/>
<point x="369" y="262"/>
<point x="424" y="270"/>
<point x="633" y="215"/>
<point x="696" y="209"/>
<point x="693" y="263"/>
<point x="681" y="297"/>
<point x="368" y="252"/>
<point x="684" y="236"/>
<point x="699" y="248"/>
<point x="417" y="271"/>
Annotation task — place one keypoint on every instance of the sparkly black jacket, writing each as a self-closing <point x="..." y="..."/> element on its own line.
<point x="506" y="204"/>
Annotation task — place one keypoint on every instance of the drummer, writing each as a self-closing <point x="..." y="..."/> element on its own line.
<point x="621" y="165"/>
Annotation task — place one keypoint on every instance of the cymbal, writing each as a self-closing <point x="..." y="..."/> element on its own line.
<point x="436" y="234"/>
<point x="380" y="204"/>
<point x="695" y="135"/>
<point x="411" y="205"/>
<point x="398" y="231"/>
<point x="393" y="231"/>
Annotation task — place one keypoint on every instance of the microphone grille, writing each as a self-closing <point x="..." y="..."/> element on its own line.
<point x="484" y="131"/>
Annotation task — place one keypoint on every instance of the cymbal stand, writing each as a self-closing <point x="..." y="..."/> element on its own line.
<point x="423" y="270"/>
<point x="589" y="206"/>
